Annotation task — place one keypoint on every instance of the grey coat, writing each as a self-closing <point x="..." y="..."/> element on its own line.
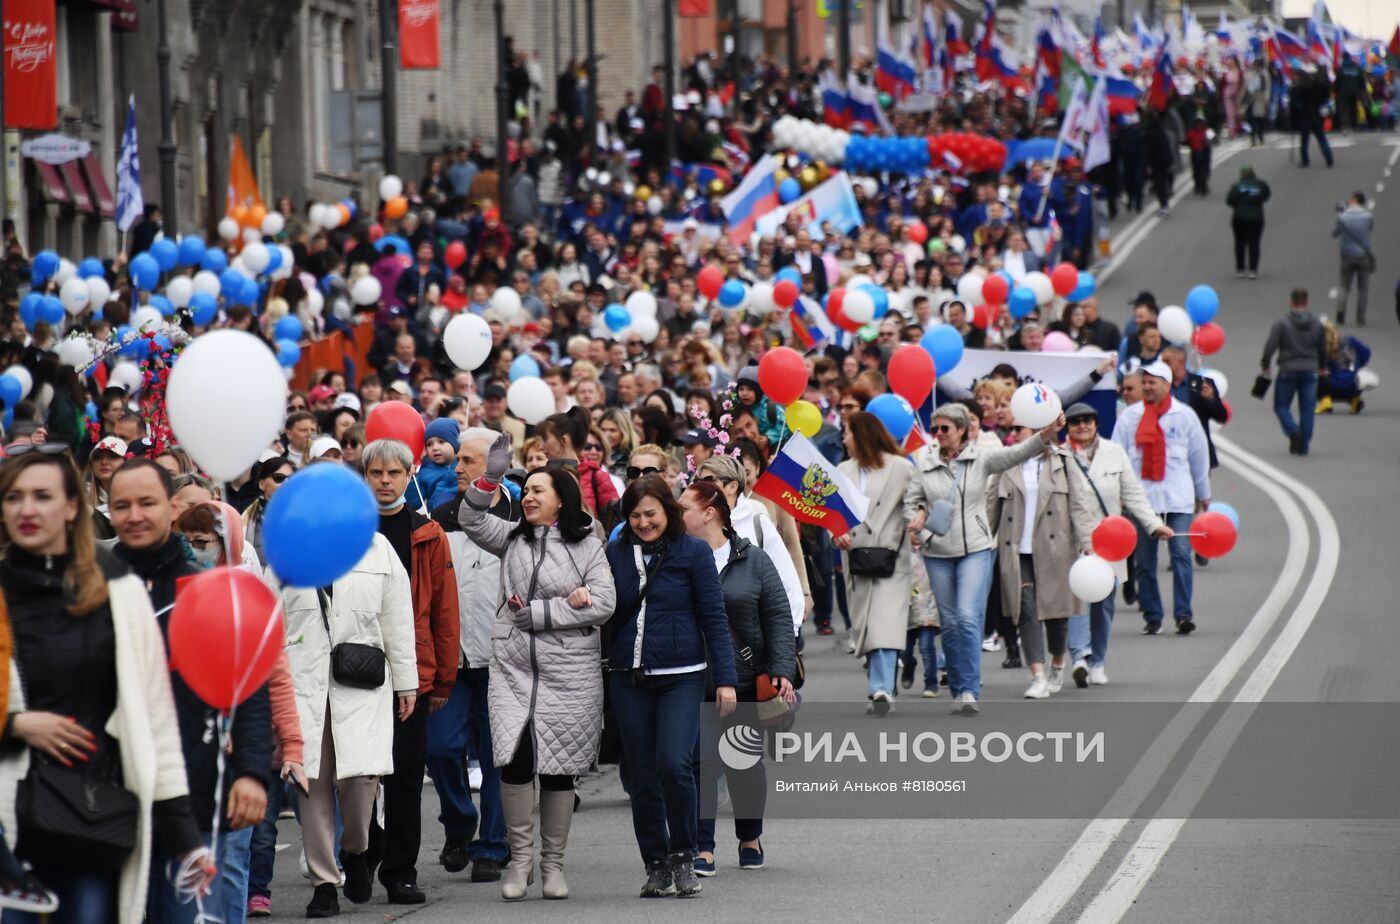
<point x="879" y="607"/>
<point x="1353" y="227"/>
<point x="550" y="676"/>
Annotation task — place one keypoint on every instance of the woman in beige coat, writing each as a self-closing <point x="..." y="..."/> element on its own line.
<point x="879" y="605"/>
<point x="1044" y="522"/>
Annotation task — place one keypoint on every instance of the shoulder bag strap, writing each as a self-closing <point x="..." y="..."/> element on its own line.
<point x="1083" y="468"/>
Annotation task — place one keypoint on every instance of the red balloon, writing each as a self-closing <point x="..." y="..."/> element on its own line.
<point x="834" y="300"/>
<point x="1229" y="411"/>
<point x="785" y="293"/>
<point x="782" y="374"/>
<point x="396" y="420"/>
<point x="1214" y="535"/>
<point x="225" y="635"/>
<point x="984" y="316"/>
<point x="455" y="254"/>
<point x="917" y="231"/>
<point x="1064" y="278"/>
<point x="376" y="231"/>
<point x="1208" y="338"/>
<point x="910" y="373"/>
<point x="1115" y="538"/>
<point x="709" y="281"/>
<point x="995" y="289"/>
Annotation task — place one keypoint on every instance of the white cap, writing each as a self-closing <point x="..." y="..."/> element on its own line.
<point x="348" y="399"/>
<point x="322" y="445"/>
<point x="1158" y="369"/>
<point x="690" y="224"/>
<point x="115" y="445"/>
<point x="400" y="386"/>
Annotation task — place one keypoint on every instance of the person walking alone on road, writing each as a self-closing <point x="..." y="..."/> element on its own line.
<point x="1246" y="201"/>
<point x="1311" y="91"/>
<point x="1301" y="345"/>
<point x="1353" y="227"/>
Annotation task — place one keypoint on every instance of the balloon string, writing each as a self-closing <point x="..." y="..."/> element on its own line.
<point x="422" y="501"/>
<point x="257" y="652"/>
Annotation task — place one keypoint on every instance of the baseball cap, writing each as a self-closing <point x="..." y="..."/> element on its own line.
<point x="322" y="445"/>
<point x="115" y="445"/>
<point x="1158" y="369"/>
<point x="321" y="393"/>
<point x="493" y="391"/>
<point x="350" y="400"/>
<point x="401" y="387"/>
<point x="397" y="311"/>
<point x="696" y="436"/>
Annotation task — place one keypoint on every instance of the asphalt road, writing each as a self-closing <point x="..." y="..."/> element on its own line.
<point x="1304" y="610"/>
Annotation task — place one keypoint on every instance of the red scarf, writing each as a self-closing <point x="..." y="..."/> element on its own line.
<point x="1152" y="441"/>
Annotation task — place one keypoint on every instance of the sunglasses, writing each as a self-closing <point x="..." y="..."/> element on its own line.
<point x="592" y="447"/>
<point x="942" y="428"/>
<point x="633" y="472"/>
<point x="293" y="408"/>
<point x="48" y="449"/>
<point x="848" y="406"/>
<point x="278" y="477"/>
<point x="1082" y="421"/>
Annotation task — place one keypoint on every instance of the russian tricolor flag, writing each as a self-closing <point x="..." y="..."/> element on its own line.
<point x="988" y="64"/>
<point x="836" y="105"/>
<point x="953" y="35"/>
<point x="863" y="107"/>
<point x="930" y="40"/>
<point x="1096" y="43"/>
<point x="801" y="481"/>
<point x="1161" y="90"/>
<point x="756" y="196"/>
<point x="1122" y="94"/>
<point x="893" y="74"/>
<point x="810" y="324"/>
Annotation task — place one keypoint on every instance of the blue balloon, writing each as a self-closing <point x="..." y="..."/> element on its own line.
<point x="616" y="317"/>
<point x="524" y="366"/>
<point x="163" y="305"/>
<point x="288" y="328"/>
<point x="1021" y="302"/>
<point x="90" y="268"/>
<point x="163" y="342"/>
<point x="133" y="348"/>
<point x="45" y="264"/>
<point x="1087" y="286"/>
<point x="945" y="345"/>
<point x="166" y="253"/>
<point x="881" y="298"/>
<point x="319" y="525"/>
<point x="401" y="245"/>
<point x="191" y="250"/>
<point x="145" y="271"/>
<point x="90" y="411"/>
<point x="215" y="260"/>
<point x="29" y="309"/>
<point x="895" y="413"/>
<point x="231" y="283"/>
<point x="1229" y="511"/>
<point x="10" y="390"/>
<point x="732" y="294"/>
<point x="288" y="353"/>
<point x="252" y="291"/>
<point x="51" y="310"/>
<point x="274" y="259"/>
<point x="1202" y="304"/>
<point x="789" y="189"/>
<point x="203" y="308"/>
<point x="10" y="416"/>
<point x="792" y="273"/>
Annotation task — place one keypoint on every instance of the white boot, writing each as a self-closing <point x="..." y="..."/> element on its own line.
<point x="518" y="807"/>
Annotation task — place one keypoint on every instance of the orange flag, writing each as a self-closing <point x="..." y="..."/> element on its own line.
<point x="242" y="187"/>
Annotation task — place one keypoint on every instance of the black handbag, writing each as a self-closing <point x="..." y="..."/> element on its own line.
<point x="1261" y="385"/>
<point x="354" y="664"/>
<point x="874" y="563"/>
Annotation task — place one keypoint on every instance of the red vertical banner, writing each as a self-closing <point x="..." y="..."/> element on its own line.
<point x="31" y="64"/>
<point x="420" y="46"/>
<point x="693" y="8"/>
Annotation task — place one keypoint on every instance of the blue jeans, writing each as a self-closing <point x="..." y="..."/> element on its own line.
<point x="83" y="897"/>
<point x="228" y="896"/>
<point x="658" y="719"/>
<point x="1313" y="129"/>
<point x="1088" y="635"/>
<point x="1145" y="561"/>
<point x="928" y="650"/>
<point x="456" y="731"/>
<point x="263" y="851"/>
<point x="1303" y="385"/>
<point x="881" y="663"/>
<point x="960" y="587"/>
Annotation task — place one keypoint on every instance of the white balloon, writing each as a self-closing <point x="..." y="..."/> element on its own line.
<point x="252" y="236"/>
<point x="390" y="187"/>
<point x="314" y="216"/>
<point x="529" y="399"/>
<point x="66" y="271"/>
<point x="179" y="290"/>
<point x="970" y="289"/>
<point x="226" y="398"/>
<point x="507" y="301"/>
<point x="645" y="326"/>
<point x="870" y="185"/>
<point x="858" y="306"/>
<point x="98" y="291"/>
<point x="74" y="295"/>
<point x="366" y="291"/>
<point x="146" y="318"/>
<point x="1222" y="384"/>
<point x="75" y="353"/>
<point x="1040" y="284"/>
<point x="1175" y="325"/>
<point x="127" y="374"/>
<point x="1034" y="405"/>
<point x="655" y="205"/>
<point x="1091" y="579"/>
<point x="273" y="224"/>
<point x="467" y="340"/>
<point x="255" y="257"/>
<point x="206" y="282"/>
<point x="641" y="304"/>
<point x="26" y="381"/>
<point x="228" y="229"/>
<point x="315" y="302"/>
<point x="760" y="300"/>
<point x="855" y="282"/>
<point x="284" y="271"/>
<point x="604" y="178"/>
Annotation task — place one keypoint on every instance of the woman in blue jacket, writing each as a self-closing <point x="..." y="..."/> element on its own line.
<point x="668" y="627"/>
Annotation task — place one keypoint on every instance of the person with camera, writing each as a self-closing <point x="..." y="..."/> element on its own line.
<point x="1353" y="228"/>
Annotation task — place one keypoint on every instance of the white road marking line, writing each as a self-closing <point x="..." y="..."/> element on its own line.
<point x="1137" y="868"/>
<point x="1380" y="187"/>
<point x="1098" y="837"/>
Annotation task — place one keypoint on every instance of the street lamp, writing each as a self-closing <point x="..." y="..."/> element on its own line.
<point x="170" y="207"/>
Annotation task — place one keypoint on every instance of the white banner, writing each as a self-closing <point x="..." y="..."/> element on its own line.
<point x="1055" y="370"/>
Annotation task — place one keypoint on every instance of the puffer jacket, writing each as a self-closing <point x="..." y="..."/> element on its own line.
<point x="684" y="622"/>
<point x="757" y="608"/>
<point x="933" y="478"/>
<point x="547" y="677"/>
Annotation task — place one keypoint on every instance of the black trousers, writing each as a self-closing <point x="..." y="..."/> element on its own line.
<point x="396" y="846"/>
<point x="521" y="769"/>
<point x="1247" y="236"/>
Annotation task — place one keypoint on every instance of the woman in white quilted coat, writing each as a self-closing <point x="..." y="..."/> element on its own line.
<point x="546" y="692"/>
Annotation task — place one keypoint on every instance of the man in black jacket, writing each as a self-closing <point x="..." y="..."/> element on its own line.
<point x="140" y="501"/>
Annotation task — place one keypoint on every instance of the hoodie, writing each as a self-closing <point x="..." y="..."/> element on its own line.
<point x="1299" y="341"/>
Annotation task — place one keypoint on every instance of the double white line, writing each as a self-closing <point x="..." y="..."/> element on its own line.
<point x="1124" y="885"/>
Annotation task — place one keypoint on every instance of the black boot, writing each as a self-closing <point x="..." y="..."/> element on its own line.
<point x="323" y="903"/>
<point x="358" y="884"/>
<point x="683" y="874"/>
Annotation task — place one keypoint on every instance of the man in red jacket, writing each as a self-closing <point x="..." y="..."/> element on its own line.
<point x="422" y="547"/>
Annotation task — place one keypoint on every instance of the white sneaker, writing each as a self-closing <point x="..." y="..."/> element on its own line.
<point x="474" y="776"/>
<point x="992" y="643"/>
<point x="1081" y="673"/>
<point x="1097" y="676"/>
<point x="1038" y="689"/>
<point x="965" y="704"/>
<point x="1056" y="680"/>
<point x="930" y="693"/>
<point x="880" y="703"/>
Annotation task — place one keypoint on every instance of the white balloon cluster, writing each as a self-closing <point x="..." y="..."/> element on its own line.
<point x="323" y="215"/>
<point x="641" y="305"/>
<point x="811" y="138"/>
